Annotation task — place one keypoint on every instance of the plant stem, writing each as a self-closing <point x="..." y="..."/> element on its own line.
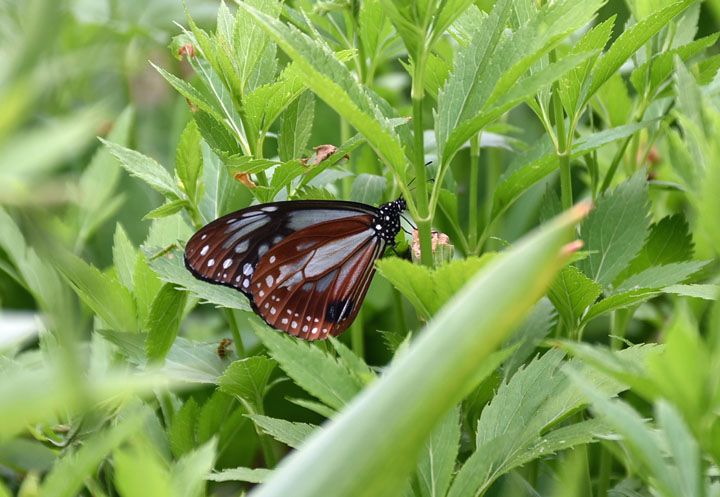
<point x="421" y="196"/>
<point x="604" y="472"/>
<point x="232" y="321"/>
<point x="473" y="190"/>
<point x="563" y="152"/>
<point x="266" y="442"/>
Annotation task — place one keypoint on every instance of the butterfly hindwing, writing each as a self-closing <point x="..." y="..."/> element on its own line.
<point x="312" y="283"/>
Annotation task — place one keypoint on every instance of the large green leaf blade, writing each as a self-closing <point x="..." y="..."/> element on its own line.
<point x="312" y="369"/>
<point x="455" y="342"/>
<point x="615" y="231"/>
<point x="164" y="321"/>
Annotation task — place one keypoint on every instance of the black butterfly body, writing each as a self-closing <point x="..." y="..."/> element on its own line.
<point x="305" y="265"/>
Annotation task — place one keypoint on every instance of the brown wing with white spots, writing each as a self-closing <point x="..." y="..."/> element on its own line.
<point x="312" y="284"/>
<point x="226" y="250"/>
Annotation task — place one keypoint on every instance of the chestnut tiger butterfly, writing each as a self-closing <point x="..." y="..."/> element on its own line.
<point x="305" y="265"/>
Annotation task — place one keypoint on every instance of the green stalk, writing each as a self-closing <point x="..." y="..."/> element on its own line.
<point x="421" y="197"/>
<point x="563" y="152"/>
<point x="235" y="330"/>
<point x="266" y="443"/>
<point x="473" y="190"/>
<point x="603" y="481"/>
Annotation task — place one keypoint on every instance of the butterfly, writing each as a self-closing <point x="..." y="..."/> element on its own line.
<point x="305" y="265"/>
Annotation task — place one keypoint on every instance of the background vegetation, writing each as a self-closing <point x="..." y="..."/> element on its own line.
<point x="523" y="366"/>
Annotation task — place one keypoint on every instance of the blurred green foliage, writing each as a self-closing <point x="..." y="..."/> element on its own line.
<point x="523" y="366"/>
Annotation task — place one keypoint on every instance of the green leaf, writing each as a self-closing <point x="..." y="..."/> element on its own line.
<point x="437" y="460"/>
<point x="264" y="105"/>
<point x="167" y="209"/>
<point x="706" y="292"/>
<point x="188" y="474"/>
<point x="629" y="42"/>
<point x="192" y="94"/>
<point x="334" y="83"/>
<point x="638" y="438"/>
<point x="510" y="427"/>
<point x="67" y="476"/>
<point x="146" y="285"/>
<point x="541" y="160"/>
<point x="428" y="290"/>
<point x="188" y="159"/>
<point x="455" y="342"/>
<point x="216" y="135"/>
<point x="687" y="472"/>
<point x="38" y="276"/>
<point x="462" y="95"/>
<point x="163" y="321"/>
<point x="619" y="301"/>
<point x="653" y="73"/>
<point x="662" y="276"/>
<point x="139" y="471"/>
<point x="247" y="379"/>
<point x="669" y="241"/>
<point x="571" y="85"/>
<point x="615" y="231"/>
<point x="171" y="269"/>
<point x="368" y="188"/>
<point x="315" y="371"/>
<point x="528" y="336"/>
<point x="221" y="189"/>
<point x="296" y="127"/>
<point x="100" y="178"/>
<point x="684" y="364"/>
<point x="290" y="433"/>
<point x="106" y="296"/>
<point x="572" y="293"/>
<point x="252" y="47"/>
<point x="181" y="432"/>
<point x="250" y="475"/>
<point x="145" y="168"/>
<point x="353" y="362"/>
<point x="469" y="101"/>
<point x="124" y="257"/>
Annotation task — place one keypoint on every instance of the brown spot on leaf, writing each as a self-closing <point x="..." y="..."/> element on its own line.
<point x="245" y="179"/>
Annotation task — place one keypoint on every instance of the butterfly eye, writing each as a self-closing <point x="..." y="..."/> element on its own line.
<point x="305" y="265"/>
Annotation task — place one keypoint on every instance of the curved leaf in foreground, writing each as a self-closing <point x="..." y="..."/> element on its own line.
<point x="355" y="455"/>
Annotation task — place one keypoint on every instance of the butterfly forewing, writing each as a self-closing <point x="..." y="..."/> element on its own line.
<point x="312" y="283"/>
<point x="227" y="250"/>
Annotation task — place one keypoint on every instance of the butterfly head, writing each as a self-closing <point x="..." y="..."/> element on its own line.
<point x="387" y="223"/>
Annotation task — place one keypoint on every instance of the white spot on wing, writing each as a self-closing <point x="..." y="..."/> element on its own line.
<point x="242" y="246"/>
<point x="211" y="262"/>
<point x="293" y="324"/>
<point x="227" y="263"/>
<point x="269" y="208"/>
<point x="247" y="269"/>
<point x="205" y="250"/>
<point x="272" y="259"/>
<point x="269" y="280"/>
